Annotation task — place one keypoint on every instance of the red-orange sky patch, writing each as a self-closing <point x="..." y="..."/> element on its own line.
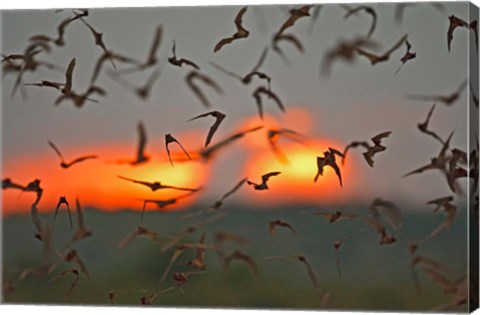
<point x="296" y="181"/>
<point x="96" y="183"/>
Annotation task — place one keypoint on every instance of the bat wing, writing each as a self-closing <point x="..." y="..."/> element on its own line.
<point x="337" y="171"/>
<point x="238" y="20"/>
<point x="446" y="145"/>
<point x="234" y="189"/>
<point x="292" y="39"/>
<point x="68" y="76"/>
<point x="98" y="66"/>
<point x="223" y="42"/>
<point x="36" y="219"/>
<point x="374" y="23"/>
<point x="57" y="151"/>
<point x="196" y="90"/>
<point x="377" y="139"/>
<point x="397" y="45"/>
<point x="213" y="129"/>
<point x="142" y="141"/>
<point x="188" y="63"/>
<point x="288" y="23"/>
<point x="355" y="144"/>
<point x="335" y="151"/>
<point x="261" y="60"/>
<point x="265" y="177"/>
<point x="421" y="169"/>
<point x="157" y="39"/>
<point x="83" y="158"/>
<point x="311" y="273"/>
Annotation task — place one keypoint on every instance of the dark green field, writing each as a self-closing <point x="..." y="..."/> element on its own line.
<point x="374" y="277"/>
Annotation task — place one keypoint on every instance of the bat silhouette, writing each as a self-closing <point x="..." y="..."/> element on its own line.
<point x="198" y="262"/>
<point x="394" y="215"/>
<point x="33" y="186"/>
<point x="239" y="34"/>
<point x="189" y="230"/>
<point x="163" y="203"/>
<point x="332" y="217"/>
<point x="271" y="95"/>
<point x="179" y="250"/>
<point x="42" y="233"/>
<point x="344" y="50"/>
<point x="45" y="83"/>
<point x="375" y="58"/>
<point x="81" y="232"/>
<point x="265" y="178"/>
<point x="98" y="37"/>
<point x="294" y="16"/>
<point x="408" y="56"/>
<point x="73" y="271"/>
<point x="141" y="157"/>
<point x="110" y="55"/>
<point x="7" y="183"/>
<point x="73" y="257"/>
<point x="384" y="238"/>
<point x="60" y="41"/>
<point x="180" y="62"/>
<point x="195" y="75"/>
<point x="68" y="93"/>
<point x="368" y="10"/>
<point x="181" y="278"/>
<point x="139" y="231"/>
<point x="280" y="223"/>
<point x="208" y="153"/>
<point x="151" y="59"/>
<point x="219" y="117"/>
<point x="148" y="299"/>
<point x="328" y="159"/>
<point x="247" y="78"/>
<point x="142" y="92"/>
<point x="438" y="162"/>
<point x="450" y="209"/>
<point x="423" y="127"/>
<point x="169" y="139"/>
<point x="371" y="150"/>
<point x="219" y="203"/>
<point x="62" y="201"/>
<point x="273" y="136"/>
<point x="65" y="165"/>
<point x="445" y="99"/>
<point x="155" y="185"/>
<point x="239" y="255"/>
<point x="28" y="63"/>
<point x="454" y="171"/>
<point x="454" y="23"/>
<point x="337" y="245"/>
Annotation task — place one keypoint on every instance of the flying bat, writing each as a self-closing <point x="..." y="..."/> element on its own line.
<point x="239" y="34"/>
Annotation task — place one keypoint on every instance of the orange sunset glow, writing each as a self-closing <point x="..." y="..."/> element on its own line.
<point x="96" y="183"/>
<point x="296" y="181"/>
